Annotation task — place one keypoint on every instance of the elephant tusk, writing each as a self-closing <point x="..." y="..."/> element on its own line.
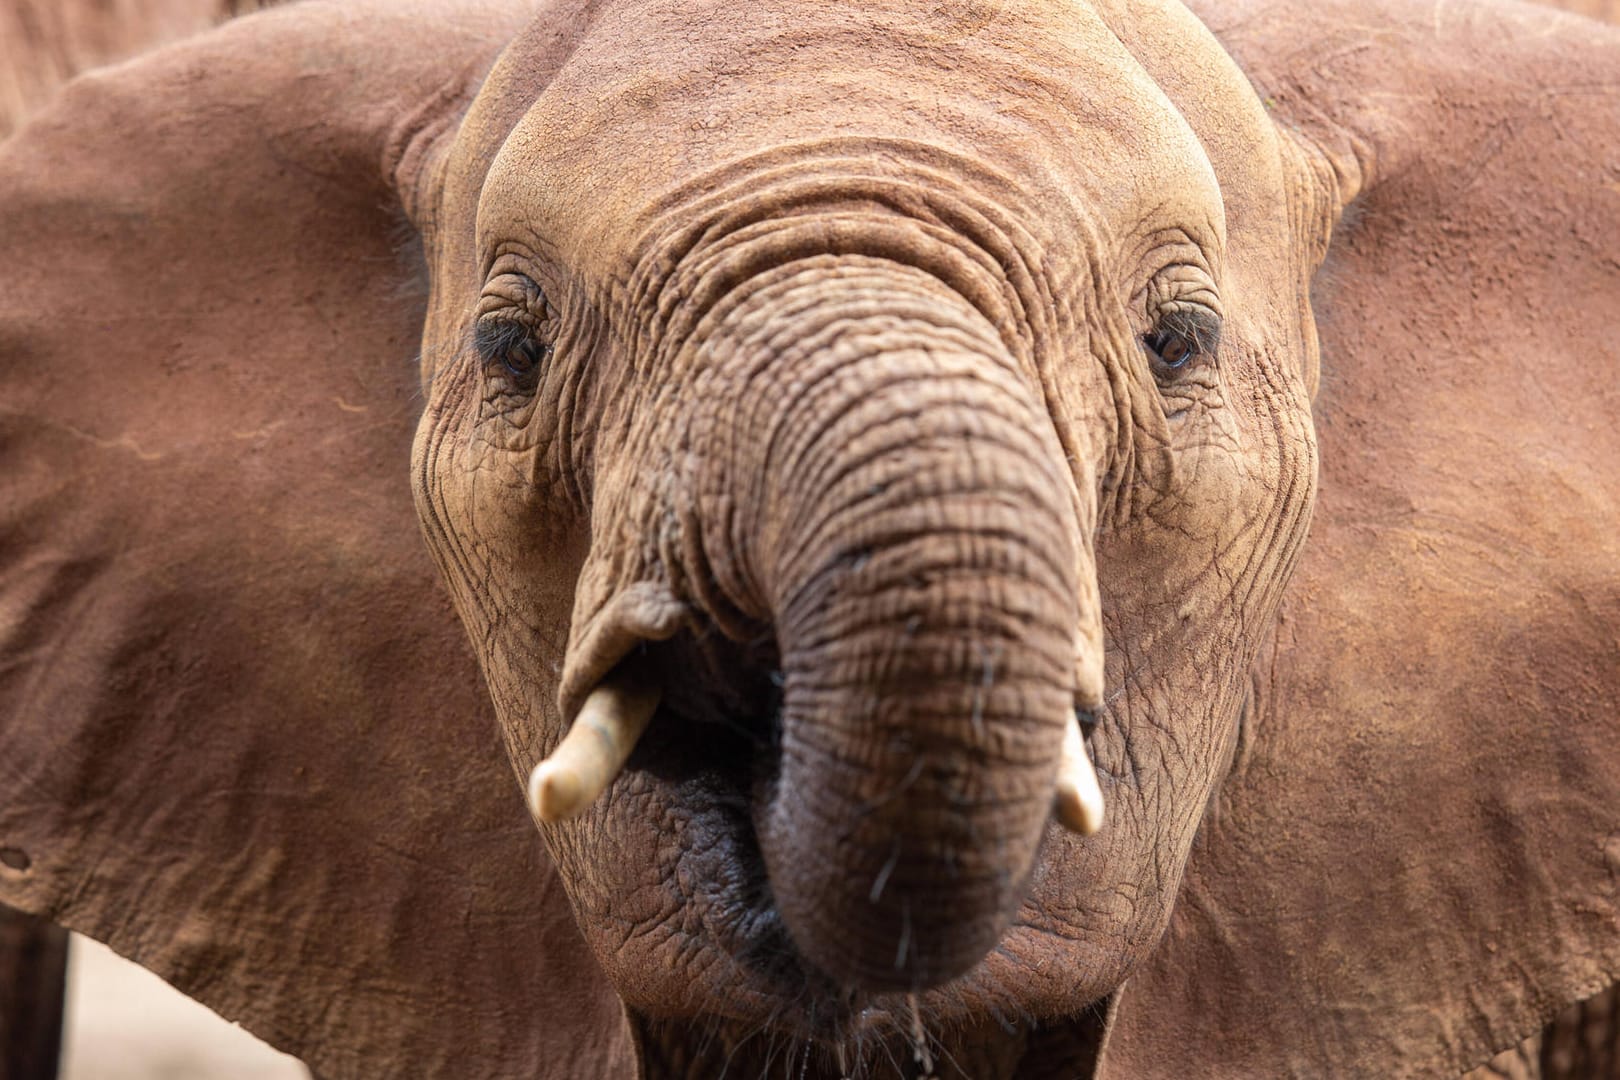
<point x="594" y="750"/>
<point x="1079" y="801"/>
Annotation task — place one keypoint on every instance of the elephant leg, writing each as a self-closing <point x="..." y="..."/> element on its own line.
<point x="33" y="974"/>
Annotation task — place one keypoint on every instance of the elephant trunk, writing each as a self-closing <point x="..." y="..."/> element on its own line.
<point x="921" y="560"/>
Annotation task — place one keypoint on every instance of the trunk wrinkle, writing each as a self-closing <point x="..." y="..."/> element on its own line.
<point x="917" y="551"/>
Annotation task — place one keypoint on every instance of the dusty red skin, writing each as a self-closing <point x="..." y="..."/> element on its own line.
<point x="249" y="747"/>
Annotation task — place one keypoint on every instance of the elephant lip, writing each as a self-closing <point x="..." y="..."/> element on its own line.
<point x="798" y="1003"/>
<point x="689" y="799"/>
<point x="709" y="771"/>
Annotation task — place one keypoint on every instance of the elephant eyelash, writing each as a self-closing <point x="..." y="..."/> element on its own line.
<point x="510" y="348"/>
<point x="1181" y="337"/>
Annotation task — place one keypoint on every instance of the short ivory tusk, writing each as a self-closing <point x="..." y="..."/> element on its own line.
<point x="594" y="750"/>
<point x="1079" y="801"/>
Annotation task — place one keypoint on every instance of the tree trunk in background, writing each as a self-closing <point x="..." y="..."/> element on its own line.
<point x="33" y="974"/>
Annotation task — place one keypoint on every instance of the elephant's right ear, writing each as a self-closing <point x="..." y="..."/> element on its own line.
<point x="241" y="735"/>
<point x="1413" y="863"/>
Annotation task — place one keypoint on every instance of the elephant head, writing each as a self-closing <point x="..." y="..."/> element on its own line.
<point x="859" y="433"/>
<point x="857" y="440"/>
<point x="881" y="443"/>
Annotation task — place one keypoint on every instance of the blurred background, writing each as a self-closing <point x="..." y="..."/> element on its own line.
<point x="124" y="1023"/>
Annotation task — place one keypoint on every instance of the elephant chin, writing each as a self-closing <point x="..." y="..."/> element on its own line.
<point x="912" y="1031"/>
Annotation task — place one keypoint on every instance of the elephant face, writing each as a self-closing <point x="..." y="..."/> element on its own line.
<point x="889" y="396"/>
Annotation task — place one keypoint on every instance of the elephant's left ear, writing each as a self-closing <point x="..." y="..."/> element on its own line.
<point x="242" y="738"/>
<point x="1413" y="863"/>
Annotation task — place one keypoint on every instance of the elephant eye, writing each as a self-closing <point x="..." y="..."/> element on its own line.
<point x="1182" y="336"/>
<point x="1172" y="350"/>
<point x="509" y="347"/>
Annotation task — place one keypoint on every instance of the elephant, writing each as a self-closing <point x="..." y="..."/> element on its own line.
<point x="41" y="45"/>
<point x="865" y="455"/>
<point x="44" y="42"/>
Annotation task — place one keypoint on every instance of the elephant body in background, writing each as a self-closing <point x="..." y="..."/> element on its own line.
<point x="43" y="43"/>
<point x="893" y="390"/>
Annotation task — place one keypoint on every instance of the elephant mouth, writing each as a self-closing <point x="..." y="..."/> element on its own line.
<point x="709" y="768"/>
<point x="688" y="801"/>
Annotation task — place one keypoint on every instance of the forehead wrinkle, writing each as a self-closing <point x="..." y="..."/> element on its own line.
<point x="557" y="198"/>
<point x="1174" y="185"/>
<point x="1161" y="178"/>
<point x="1069" y="107"/>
